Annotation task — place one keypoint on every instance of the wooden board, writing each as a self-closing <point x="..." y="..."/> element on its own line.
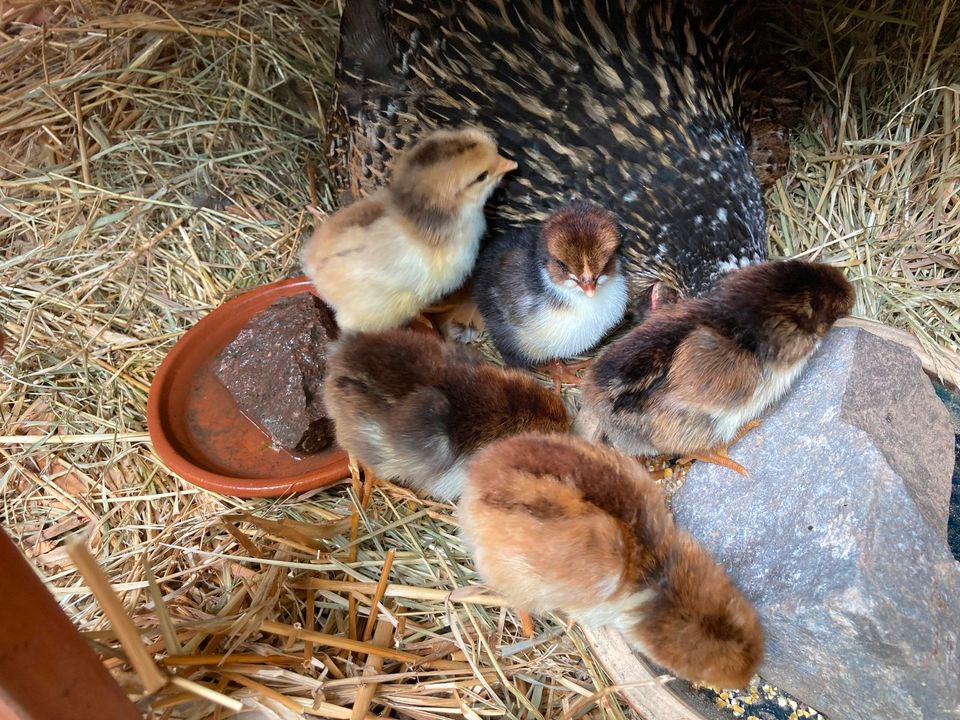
<point x="637" y="681"/>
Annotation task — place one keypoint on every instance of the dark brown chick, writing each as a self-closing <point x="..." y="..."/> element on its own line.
<point x="694" y="373"/>
<point x="558" y="524"/>
<point x="414" y="408"/>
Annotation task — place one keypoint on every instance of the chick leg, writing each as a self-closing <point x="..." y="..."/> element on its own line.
<point x="526" y="623"/>
<point x="564" y="373"/>
<point x="425" y="321"/>
<point x="362" y="480"/>
<point x="745" y="430"/>
<point x="719" y="456"/>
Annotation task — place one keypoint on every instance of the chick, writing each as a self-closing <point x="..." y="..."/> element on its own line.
<point x="414" y="408"/>
<point x="558" y="524"/>
<point x="694" y="373"/>
<point x="553" y="291"/>
<point x="381" y="260"/>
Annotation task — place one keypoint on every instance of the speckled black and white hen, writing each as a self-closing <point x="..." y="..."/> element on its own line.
<point x="632" y="105"/>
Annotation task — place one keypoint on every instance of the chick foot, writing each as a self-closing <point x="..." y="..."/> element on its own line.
<point x="563" y="373"/>
<point x="526" y="623"/>
<point x="720" y="457"/>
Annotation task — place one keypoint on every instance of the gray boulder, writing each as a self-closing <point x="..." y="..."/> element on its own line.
<point x="838" y="535"/>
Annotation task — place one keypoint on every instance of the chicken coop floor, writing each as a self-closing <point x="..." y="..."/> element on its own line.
<point x="156" y="162"/>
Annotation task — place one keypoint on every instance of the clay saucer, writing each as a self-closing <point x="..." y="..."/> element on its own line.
<point x="198" y="430"/>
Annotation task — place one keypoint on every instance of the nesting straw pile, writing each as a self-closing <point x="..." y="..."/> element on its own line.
<point x="154" y="161"/>
<point x="873" y="183"/>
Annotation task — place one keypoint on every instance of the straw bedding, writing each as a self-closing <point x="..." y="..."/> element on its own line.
<point x="155" y="160"/>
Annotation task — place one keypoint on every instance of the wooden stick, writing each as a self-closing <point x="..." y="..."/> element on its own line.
<point x="336" y="641"/>
<point x="151" y="676"/>
<point x="378" y="594"/>
<point x="365" y="693"/>
<point x="409" y="592"/>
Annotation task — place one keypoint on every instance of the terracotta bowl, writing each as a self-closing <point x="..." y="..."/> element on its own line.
<point x="200" y="433"/>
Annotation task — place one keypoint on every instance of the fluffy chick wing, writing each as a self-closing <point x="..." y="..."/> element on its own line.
<point x="631" y="370"/>
<point x="538" y="541"/>
<point x="711" y="372"/>
<point x="420" y="434"/>
<point x="399" y="435"/>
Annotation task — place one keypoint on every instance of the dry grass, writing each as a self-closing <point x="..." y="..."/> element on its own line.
<point x="152" y="164"/>
<point x="875" y="170"/>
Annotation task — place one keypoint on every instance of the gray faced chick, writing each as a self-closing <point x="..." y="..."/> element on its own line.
<point x="381" y="260"/>
<point x="415" y="409"/>
<point x="694" y="373"/>
<point x="552" y="291"/>
<point x="555" y="523"/>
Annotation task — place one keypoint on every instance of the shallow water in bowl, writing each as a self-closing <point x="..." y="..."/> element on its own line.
<point x="229" y="442"/>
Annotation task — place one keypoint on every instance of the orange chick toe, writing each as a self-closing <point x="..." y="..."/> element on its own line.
<point x="526" y="623"/>
<point x="745" y="430"/>
<point x="563" y="373"/>
<point x="716" y="457"/>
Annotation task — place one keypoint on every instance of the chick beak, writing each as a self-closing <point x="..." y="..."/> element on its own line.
<point x="504" y="166"/>
<point x="589" y="286"/>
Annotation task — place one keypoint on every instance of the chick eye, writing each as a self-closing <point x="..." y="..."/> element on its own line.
<point x="564" y="267"/>
<point x="482" y="176"/>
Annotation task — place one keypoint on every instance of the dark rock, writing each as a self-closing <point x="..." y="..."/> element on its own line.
<point x="952" y="401"/>
<point x="837" y="536"/>
<point x="888" y="397"/>
<point x="274" y="369"/>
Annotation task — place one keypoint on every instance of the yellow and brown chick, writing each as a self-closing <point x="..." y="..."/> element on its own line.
<point x="694" y="373"/>
<point x="558" y="524"/>
<point x="381" y="260"/>
<point x="415" y="409"/>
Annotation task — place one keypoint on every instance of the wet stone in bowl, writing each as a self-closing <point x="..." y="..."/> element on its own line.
<point x="274" y="369"/>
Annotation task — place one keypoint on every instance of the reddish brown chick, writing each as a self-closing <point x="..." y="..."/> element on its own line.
<point x="558" y="524"/>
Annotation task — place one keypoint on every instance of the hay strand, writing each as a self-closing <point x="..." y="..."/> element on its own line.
<point x="151" y="677"/>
